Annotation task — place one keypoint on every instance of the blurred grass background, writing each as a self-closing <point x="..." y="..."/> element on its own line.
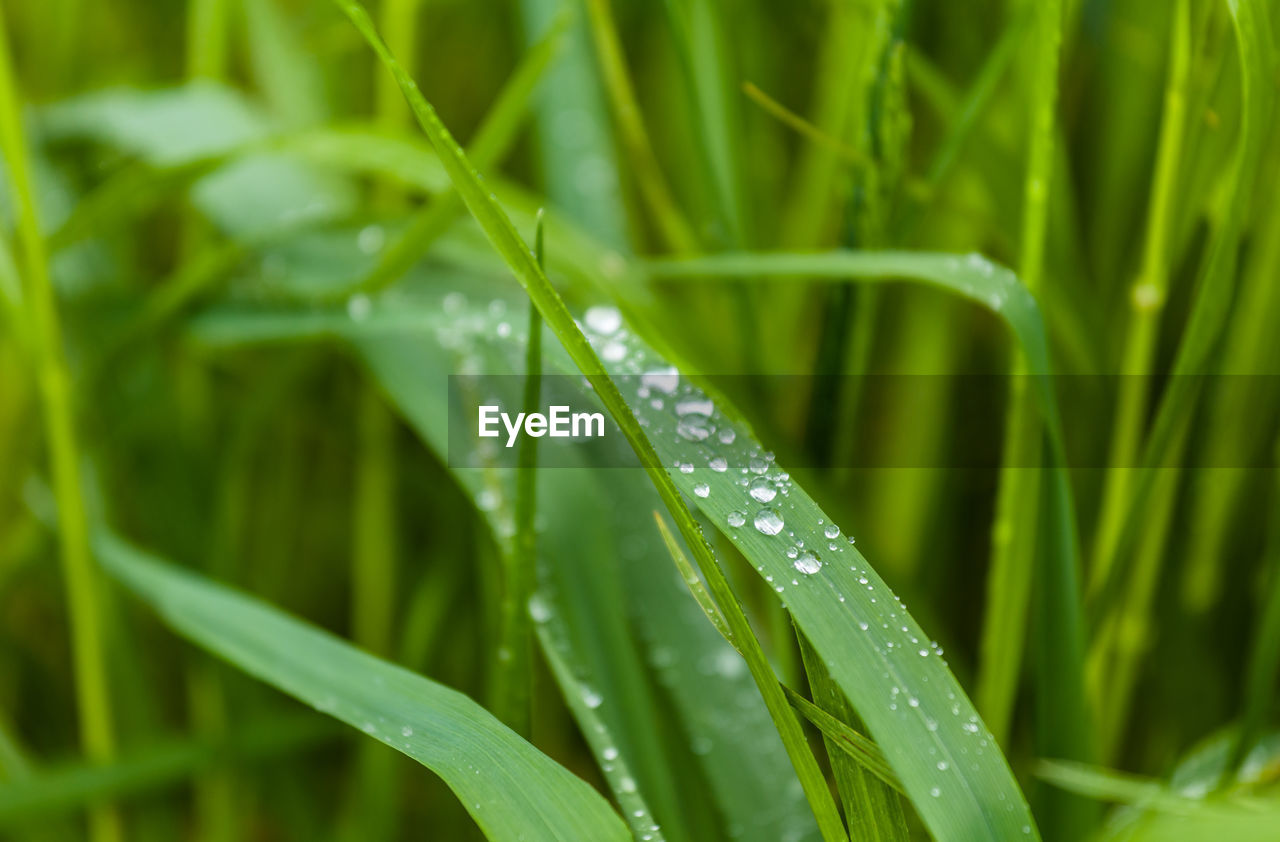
<point x="863" y="124"/>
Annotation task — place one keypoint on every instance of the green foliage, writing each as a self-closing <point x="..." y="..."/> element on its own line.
<point x="238" y="286"/>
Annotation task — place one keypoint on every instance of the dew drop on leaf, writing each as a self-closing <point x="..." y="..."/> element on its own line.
<point x="761" y="490"/>
<point x="603" y="320"/>
<point x="807" y="562"/>
<point x="768" y="522"/>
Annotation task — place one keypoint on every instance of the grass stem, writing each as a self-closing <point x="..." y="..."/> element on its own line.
<point x="80" y="574"/>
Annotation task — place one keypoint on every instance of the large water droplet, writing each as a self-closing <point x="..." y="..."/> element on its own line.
<point x="603" y="320"/>
<point x="359" y="306"/>
<point x="737" y="519"/>
<point x="768" y="522"/>
<point x="832" y="531"/>
<point x="693" y="429"/>
<point x="539" y="611"/>
<point x="700" y="406"/>
<point x="807" y="562"/>
<point x="702" y="490"/>
<point x="371" y="239"/>
<point x="762" y="490"/>
<point x="613" y="351"/>
<point x="665" y="380"/>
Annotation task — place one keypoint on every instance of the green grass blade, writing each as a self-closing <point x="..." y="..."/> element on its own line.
<point x="1146" y="301"/>
<point x="1264" y="660"/>
<point x="631" y="131"/>
<point x="862" y="750"/>
<point x="1216" y="281"/>
<point x="492" y="140"/>
<point x="169" y="764"/>
<point x="972" y="277"/>
<point x="872" y="807"/>
<point x="873" y="811"/>
<point x="514" y="676"/>
<point x="512" y="790"/>
<point x="83" y="592"/>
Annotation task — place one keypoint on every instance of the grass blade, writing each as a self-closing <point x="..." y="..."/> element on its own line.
<point x="512" y="790"/>
<point x="93" y="700"/>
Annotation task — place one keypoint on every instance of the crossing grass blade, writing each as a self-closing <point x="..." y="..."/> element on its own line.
<point x="512" y="790"/>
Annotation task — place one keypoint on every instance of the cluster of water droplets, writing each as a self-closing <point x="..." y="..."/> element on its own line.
<point x="684" y="423"/>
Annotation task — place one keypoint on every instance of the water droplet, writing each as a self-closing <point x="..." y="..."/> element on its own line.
<point x="695" y="406"/>
<point x="737" y="519"/>
<point x="603" y="320"/>
<point x="832" y="531"/>
<point x="665" y="380"/>
<point x="761" y="490"/>
<point x="702" y="490"/>
<point x="406" y="731"/>
<point x="718" y="464"/>
<point x="685" y="467"/>
<point x="591" y="698"/>
<point x="693" y="430"/>
<point x="628" y="785"/>
<point x="610" y="753"/>
<point x="758" y="465"/>
<point x="727" y="435"/>
<point x="768" y="522"/>
<point x="942" y="766"/>
<point x="935" y="792"/>
<point x="613" y="351"/>
<point x="539" y="611"/>
<point x="359" y="306"/>
<point x="808" y="562"/>
<point x="371" y="239"/>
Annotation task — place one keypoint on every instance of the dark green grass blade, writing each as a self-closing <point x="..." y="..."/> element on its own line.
<point x="170" y="764"/>
<point x="512" y="790"/>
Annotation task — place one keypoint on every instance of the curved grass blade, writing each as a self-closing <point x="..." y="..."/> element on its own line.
<point x="970" y="276"/>
<point x="512" y="790"/>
